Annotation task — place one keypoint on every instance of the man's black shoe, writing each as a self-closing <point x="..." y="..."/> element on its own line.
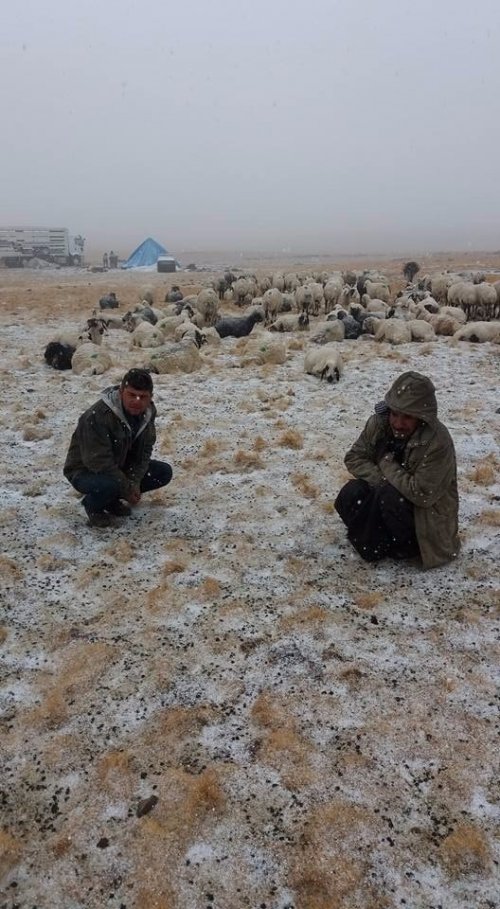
<point x="98" y="518"/>
<point x="119" y="509"/>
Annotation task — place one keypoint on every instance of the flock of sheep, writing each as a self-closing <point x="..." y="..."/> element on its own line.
<point x="330" y="307"/>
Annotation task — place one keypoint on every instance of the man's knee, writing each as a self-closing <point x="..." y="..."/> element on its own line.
<point x="350" y="497"/>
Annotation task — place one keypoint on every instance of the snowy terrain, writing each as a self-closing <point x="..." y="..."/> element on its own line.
<point x="317" y="732"/>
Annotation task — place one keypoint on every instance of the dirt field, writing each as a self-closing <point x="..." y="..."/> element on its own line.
<point x="216" y="703"/>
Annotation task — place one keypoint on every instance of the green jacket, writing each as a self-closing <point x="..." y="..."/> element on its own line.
<point x="103" y="443"/>
<point x="428" y="475"/>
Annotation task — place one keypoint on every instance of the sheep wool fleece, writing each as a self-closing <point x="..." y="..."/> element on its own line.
<point x="103" y="442"/>
<point x="427" y="476"/>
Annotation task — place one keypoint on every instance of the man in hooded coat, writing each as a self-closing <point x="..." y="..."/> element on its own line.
<point x="404" y="500"/>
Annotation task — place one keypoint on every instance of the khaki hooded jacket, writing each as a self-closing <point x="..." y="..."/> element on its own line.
<point x="103" y="442"/>
<point x="428" y="475"/>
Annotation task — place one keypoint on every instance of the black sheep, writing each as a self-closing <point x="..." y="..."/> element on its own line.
<point x="59" y="355"/>
<point x="238" y="326"/>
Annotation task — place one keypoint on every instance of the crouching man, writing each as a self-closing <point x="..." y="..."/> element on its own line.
<point x="404" y="500"/>
<point x="109" y="457"/>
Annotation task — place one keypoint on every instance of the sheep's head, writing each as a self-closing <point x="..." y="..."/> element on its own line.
<point x="330" y="373"/>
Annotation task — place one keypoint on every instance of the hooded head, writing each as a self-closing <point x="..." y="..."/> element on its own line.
<point x="413" y="394"/>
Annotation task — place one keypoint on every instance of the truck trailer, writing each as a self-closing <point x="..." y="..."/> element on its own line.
<point x="53" y="244"/>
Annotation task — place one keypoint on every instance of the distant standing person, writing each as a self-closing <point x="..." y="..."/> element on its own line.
<point x="109" y="457"/>
<point x="404" y="500"/>
<point x="113" y="260"/>
<point x="105" y="260"/>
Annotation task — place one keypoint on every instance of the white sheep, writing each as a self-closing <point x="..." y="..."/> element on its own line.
<point x="147" y="335"/>
<point x="207" y="304"/>
<point x="90" y="360"/>
<point x="395" y="331"/>
<point x="272" y="301"/>
<point x="172" y="358"/>
<point x="324" y="362"/>
<point x="331" y="330"/>
<point x="421" y="330"/>
<point x="372" y="304"/>
<point x="332" y="291"/>
<point x="479" y="332"/>
<point x="291" y="322"/>
<point x="377" y="291"/>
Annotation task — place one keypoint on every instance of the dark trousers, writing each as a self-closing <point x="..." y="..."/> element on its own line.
<point x="380" y="521"/>
<point x="101" y="489"/>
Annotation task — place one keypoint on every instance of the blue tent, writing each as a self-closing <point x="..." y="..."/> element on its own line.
<point x="146" y="254"/>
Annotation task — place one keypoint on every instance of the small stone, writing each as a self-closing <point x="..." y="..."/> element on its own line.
<point x="146" y="805"/>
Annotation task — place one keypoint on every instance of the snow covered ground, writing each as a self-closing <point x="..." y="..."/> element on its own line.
<point x="316" y="732"/>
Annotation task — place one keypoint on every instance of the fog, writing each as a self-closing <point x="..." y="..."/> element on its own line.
<point x="332" y="125"/>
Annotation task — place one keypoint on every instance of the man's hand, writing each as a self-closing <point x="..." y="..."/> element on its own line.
<point x="134" y="496"/>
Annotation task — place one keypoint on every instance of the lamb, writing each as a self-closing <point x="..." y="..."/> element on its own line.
<point x="59" y="355"/>
<point x="395" y="331"/>
<point x="324" y="362"/>
<point x="291" y="322"/>
<point x="172" y="358"/>
<point x="90" y="360"/>
<point x="479" y="332"/>
<point x="238" y="326"/>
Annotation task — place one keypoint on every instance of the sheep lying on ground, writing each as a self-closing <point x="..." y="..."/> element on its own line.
<point x="479" y="332"/>
<point x="59" y="352"/>
<point x="181" y="357"/>
<point x="238" y="326"/>
<point x="395" y="331"/>
<point x="421" y="330"/>
<point x="324" y="332"/>
<point x="109" y="301"/>
<point x="291" y="322"/>
<point x="147" y="335"/>
<point x="58" y="355"/>
<point x="188" y="330"/>
<point x="141" y="313"/>
<point x="90" y="360"/>
<point x="324" y="362"/>
<point x="263" y="348"/>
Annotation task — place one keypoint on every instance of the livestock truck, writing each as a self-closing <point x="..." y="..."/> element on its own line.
<point x="53" y="244"/>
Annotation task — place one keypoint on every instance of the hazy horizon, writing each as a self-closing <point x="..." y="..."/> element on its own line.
<point x="329" y="128"/>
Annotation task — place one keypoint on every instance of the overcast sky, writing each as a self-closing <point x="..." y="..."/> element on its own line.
<point x="322" y="126"/>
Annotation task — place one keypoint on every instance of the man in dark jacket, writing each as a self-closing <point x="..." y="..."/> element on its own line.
<point x="109" y="457"/>
<point x="404" y="500"/>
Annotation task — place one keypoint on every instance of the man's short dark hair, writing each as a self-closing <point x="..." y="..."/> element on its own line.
<point x="138" y="378"/>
